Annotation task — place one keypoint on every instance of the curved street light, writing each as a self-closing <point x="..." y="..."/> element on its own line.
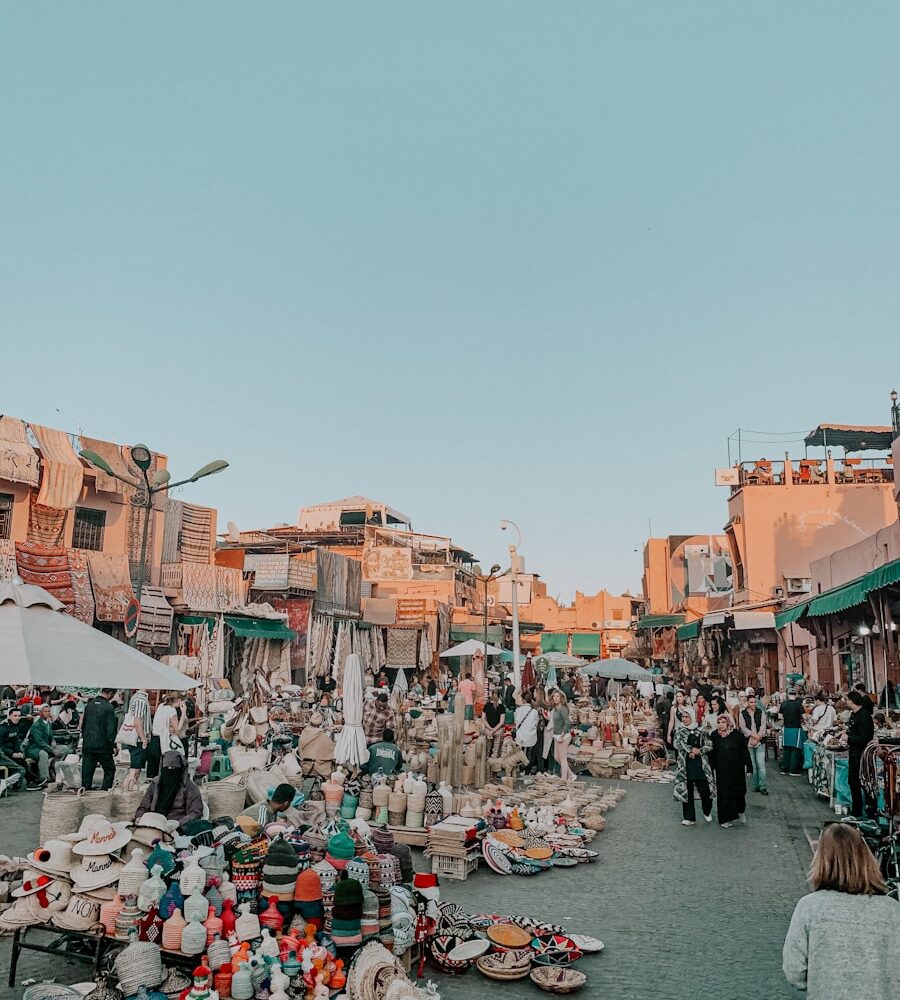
<point x="146" y="491"/>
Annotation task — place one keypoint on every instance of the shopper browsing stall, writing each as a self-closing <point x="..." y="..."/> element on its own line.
<point x="172" y="794"/>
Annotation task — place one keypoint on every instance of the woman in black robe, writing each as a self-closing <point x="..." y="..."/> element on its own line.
<point x="729" y="761"/>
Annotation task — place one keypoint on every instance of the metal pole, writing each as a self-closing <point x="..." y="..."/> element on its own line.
<point x="142" y="564"/>
<point x="517" y="668"/>
<point x="485" y="582"/>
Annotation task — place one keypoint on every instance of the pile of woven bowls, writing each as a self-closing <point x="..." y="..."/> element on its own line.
<point x="558" y="980"/>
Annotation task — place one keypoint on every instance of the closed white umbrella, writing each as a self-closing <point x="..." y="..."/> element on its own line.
<point x="40" y="644"/>
<point x="472" y="646"/>
<point x="350" y="747"/>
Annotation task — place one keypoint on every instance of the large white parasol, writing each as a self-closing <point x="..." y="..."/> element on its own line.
<point x="350" y="747"/>
<point x="40" y="644"/>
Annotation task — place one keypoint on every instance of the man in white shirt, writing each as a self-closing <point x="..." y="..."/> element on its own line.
<point x="646" y="689"/>
<point x="823" y="715"/>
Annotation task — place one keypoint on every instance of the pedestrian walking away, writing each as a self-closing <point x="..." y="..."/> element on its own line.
<point x="793" y="735"/>
<point x="98" y="735"/>
<point x="860" y="732"/>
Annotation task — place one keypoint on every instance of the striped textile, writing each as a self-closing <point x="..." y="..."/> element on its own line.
<point x="172" y="531"/>
<point x="196" y="534"/>
<point x="62" y="472"/>
<point x="112" y="455"/>
<point x="48" y="567"/>
<point x="83" y="608"/>
<point x="111" y="583"/>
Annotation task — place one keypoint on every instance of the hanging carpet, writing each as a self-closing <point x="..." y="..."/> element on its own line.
<point x="7" y="559"/>
<point x="112" y="585"/>
<point x="112" y="455"/>
<point x="198" y="587"/>
<point x="18" y="460"/>
<point x="155" y="619"/>
<point x="62" y="473"/>
<point x="46" y="525"/>
<point x="134" y="532"/>
<point x="81" y="586"/>
<point x="196" y="534"/>
<point x="46" y="567"/>
<point x="401" y="647"/>
<point x="171" y="531"/>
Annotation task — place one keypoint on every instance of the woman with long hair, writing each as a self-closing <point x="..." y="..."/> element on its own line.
<point x="678" y="706"/>
<point x="560" y="725"/>
<point x="844" y="935"/>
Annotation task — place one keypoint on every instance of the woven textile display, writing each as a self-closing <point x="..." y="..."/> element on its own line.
<point x="134" y="532"/>
<point x="46" y="567"/>
<point x="171" y="530"/>
<point x="18" y="460"/>
<point x="410" y="611"/>
<point x="229" y="588"/>
<point x="7" y="558"/>
<point x="46" y="525"/>
<point x="155" y="620"/>
<point x="112" y="455"/>
<point x="199" y="587"/>
<point x="111" y="584"/>
<point x="83" y="608"/>
<point x="62" y="473"/>
<point x="401" y="647"/>
<point x="196" y="534"/>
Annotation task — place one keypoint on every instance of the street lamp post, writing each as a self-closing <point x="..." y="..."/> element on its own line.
<point x="146" y="491"/>
<point x="495" y="569"/>
<point x="514" y="572"/>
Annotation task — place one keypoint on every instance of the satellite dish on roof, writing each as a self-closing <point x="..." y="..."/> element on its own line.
<point x="234" y="534"/>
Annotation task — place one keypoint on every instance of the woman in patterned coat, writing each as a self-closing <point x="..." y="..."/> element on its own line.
<point x="693" y="769"/>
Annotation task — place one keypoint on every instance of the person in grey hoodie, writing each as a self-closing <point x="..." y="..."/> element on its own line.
<point x="843" y="937"/>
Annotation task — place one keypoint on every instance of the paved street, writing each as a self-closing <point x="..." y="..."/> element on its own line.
<point x="684" y="912"/>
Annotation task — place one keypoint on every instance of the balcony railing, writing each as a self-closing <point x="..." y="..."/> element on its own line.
<point x="814" y="472"/>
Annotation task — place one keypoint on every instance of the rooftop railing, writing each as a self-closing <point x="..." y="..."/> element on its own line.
<point x="814" y="472"/>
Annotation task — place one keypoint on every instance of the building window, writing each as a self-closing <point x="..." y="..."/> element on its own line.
<point x="6" y="513"/>
<point x="618" y="614"/>
<point x="88" y="530"/>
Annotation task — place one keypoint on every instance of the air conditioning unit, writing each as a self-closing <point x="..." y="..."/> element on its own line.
<point x="799" y="585"/>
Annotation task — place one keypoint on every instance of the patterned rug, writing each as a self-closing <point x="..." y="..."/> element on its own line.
<point x="410" y="611"/>
<point x="46" y="525"/>
<point x="196" y="534"/>
<point x="172" y="531"/>
<point x="18" y="460"/>
<point x="402" y="647"/>
<point x="111" y="583"/>
<point x="133" y="535"/>
<point x="198" y="587"/>
<point x="81" y="586"/>
<point x="62" y="472"/>
<point x="112" y="455"/>
<point x="7" y="558"/>
<point x="48" y="567"/>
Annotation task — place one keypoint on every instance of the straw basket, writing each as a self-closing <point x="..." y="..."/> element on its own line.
<point x="50" y="991"/>
<point x="61" y="814"/>
<point x="247" y="759"/>
<point x="123" y="804"/>
<point x="226" y="797"/>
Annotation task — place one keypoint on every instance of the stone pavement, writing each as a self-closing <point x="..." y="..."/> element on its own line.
<point x="684" y="912"/>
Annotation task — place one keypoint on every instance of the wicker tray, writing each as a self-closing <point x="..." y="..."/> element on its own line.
<point x="558" y="980"/>
<point x="508" y="936"/>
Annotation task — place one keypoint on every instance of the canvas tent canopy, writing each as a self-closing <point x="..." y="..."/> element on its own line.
<point x="617" y="669"/>
<point x="470" y="647"/>
<point x="850" y="437"/>
<point x="41" y="644"/>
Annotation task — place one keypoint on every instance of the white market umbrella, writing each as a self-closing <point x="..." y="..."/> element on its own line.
<point x="562" y="661"/>
<point x="617" y="669"/>
<point x="470" y="647"/>
<point x="41" y="644"/>
<point x="350" y="747"/>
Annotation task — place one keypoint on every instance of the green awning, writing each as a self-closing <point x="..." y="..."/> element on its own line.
<point x="792" y="614"/>
<point x="660" y="621"/>
<point x="855" y="592"/>
<point x="460" y="634"/>
<point x="259" y="628"/>
<point x="585" y="644"/>
<point x="689" y="631"/>
<point x="554" y="642"/>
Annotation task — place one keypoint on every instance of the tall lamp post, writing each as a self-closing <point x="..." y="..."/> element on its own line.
<point x="495" y="569"/>
<point x="146" y="491"/>
<point x="514" y="566"/>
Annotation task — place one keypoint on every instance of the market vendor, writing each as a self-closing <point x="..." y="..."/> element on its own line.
<point x="315" y="748"/>
<point x="172" y="794"/>
<point x="384" y="756"/>
<point x="12" y="757"/>
<point x="40" y="745"/>
<point x="277" y="808"/>
<point x="493" y="715"/>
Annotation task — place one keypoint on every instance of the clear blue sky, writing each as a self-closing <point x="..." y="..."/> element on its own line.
<point x="523" y="260"/>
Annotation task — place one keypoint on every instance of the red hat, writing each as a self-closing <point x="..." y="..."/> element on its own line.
<point x="422" y="880"/>
<point x="31" y="885"/>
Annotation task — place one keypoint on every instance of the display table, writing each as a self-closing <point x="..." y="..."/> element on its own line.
<point x="80" y="945"/>
<point x="829" y="775"/>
